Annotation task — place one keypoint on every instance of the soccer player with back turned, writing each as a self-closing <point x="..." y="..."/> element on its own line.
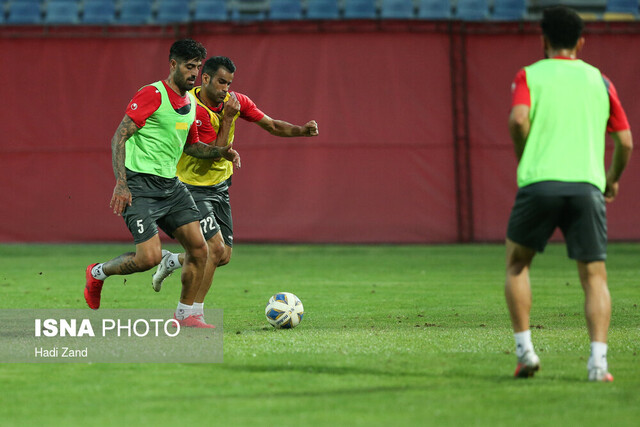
<point x="561" y="109"/>
<point x="159" y="125"/>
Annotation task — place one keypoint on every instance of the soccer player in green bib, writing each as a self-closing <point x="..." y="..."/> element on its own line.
<point x="561" y="110"/>
<point x="159" y="125"/>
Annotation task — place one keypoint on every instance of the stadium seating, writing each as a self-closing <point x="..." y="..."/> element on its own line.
<point x="621" y="10"/>
<point x="396" y="9"/>
<point x="249" y="10"/>
<point x="140" y="12"/>
<point x="359" y="9"/>
<point x="509" y="10"/>
<point x="28" y="12"/>
<point x="472" y="10"/>
<point x="622" y="6"/>
<point x="434" y="9"/>
<point x="211" y="10"/>
<point x="285" y="10"/>
<point x="99" y="12"/>
<point x="62" y="12"/>
<point x="173" y="11"/>
<point x="323" y="9"/>
<point x="135" y="12"/>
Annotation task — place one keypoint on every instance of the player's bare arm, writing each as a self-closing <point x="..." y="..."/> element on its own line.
<point x="204" y="151"/>
<point x="285" y="129"/>
<point x="231" y="108"/>
<point x="620" y="159"/>
<point x="121" y="197"/>
<point x="519" y="126"/>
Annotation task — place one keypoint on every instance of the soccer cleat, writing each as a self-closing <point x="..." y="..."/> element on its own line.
<point x="528" y="365"/>
<point x="193" y="321"/>
<point x="92" y="289"/>
<point x="162" y="272"/>
<point x="601" y="375"/>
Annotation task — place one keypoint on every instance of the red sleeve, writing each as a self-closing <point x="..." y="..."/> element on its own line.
<point x="617" y="117"/>
<point x="248" y="109"/>
<point x="520" y="90"/>
<point x="193" y="138"/>
<point x="206" y="132"/>
<point x="144" y="103"/>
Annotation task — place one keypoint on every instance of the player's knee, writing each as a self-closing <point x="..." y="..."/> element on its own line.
<point x="226" y="257"/>
<point x="216" y="251"/>
<point x="199" y="252"/>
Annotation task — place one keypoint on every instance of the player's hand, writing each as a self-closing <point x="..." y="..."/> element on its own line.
<point x="610" y="191"/>
<point x="231" y="107"/>
<point x="310" y="128"/>
<point x="230" y="154"/>
<point x="121" y="198"/>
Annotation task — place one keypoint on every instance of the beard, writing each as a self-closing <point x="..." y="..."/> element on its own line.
<point x="182" y="83"/>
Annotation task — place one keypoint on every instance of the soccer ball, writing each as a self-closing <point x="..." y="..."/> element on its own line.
<point x="284" y="310"/>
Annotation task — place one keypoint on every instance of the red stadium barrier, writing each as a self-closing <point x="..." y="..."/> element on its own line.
<point x="413" y="144"/>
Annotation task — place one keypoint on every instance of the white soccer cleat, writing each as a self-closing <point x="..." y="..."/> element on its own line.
<point x="162" y="272"/>
<point x="528" y="365"/>
<point x="600" y="374"/>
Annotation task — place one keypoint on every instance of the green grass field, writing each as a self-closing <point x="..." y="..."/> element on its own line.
<point x="392" y="335"/>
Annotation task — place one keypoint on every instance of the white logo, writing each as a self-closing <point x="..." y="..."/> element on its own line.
<point x="134" y="106"/>
<point x="198" y="123"/>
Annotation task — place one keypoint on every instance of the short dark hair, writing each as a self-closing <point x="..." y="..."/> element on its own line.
<point x="562" y="26"/>
<point x="212" y="64"/>
<point x="186" y="49"/>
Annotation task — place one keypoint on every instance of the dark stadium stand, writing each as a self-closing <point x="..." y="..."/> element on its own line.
<point x="163" y="12"/>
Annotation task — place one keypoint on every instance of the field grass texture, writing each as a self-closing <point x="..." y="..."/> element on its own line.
<point x="392" y="335"/>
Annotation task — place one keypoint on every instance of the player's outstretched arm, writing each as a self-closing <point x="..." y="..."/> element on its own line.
<point x="619" y="160"/>
<point x="121" y="197"/>
<point x="204" y="151"/>
<point x="282" y="128"/>
<point x="519" y="126"/>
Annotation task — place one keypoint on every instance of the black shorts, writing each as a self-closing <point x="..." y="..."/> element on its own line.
<point x="215" y="210"/>
<point x="577" y="208"/>
<point x="157" y="201"/>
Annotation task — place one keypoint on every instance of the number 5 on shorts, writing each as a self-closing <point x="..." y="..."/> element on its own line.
<point x="140" y="226"/>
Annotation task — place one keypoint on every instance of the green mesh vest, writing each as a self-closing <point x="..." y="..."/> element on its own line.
<point x="156" y="147"/>
<point x="569" y="113"/>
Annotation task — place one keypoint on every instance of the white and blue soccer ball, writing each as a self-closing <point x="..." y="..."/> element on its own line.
<point x="284" y="310"/>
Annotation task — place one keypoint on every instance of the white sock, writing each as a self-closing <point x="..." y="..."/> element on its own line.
<point x="97" y="272"/>
<point x="198" y="308"/>
<point x="523" y="342"/>
<point x="173" y="262"/>
<point x="183" y="311"/>
<point x="598" y="355"/>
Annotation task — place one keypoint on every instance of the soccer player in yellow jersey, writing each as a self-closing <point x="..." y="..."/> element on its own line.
<point x="209" y="180"/>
